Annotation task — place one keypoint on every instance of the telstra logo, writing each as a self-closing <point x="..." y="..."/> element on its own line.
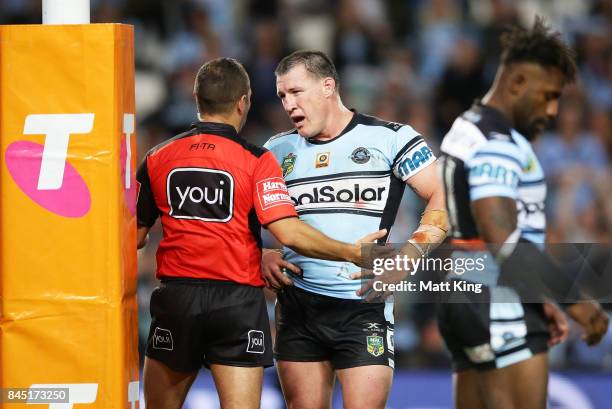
<point x="41" y="170"/>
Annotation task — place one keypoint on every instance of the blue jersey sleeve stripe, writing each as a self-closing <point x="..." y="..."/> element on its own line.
<point x="491" y="190"/>
<point x="531" y="182"/>
<point x="409" y="145"/>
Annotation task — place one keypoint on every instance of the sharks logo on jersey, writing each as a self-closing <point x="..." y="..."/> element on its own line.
<point x="353" y="190"/>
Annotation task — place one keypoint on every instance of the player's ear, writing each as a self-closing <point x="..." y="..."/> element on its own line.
<point x="329" y="86"/>
<point x="518" y="83"/>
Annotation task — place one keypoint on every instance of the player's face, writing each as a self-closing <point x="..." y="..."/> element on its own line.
<point x="304" y="100"/>
<point x="539" y="103"/>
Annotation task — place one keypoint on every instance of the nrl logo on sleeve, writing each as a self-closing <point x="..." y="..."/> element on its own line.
<point x="288" y="164"/>
<point x="375" y="344"/>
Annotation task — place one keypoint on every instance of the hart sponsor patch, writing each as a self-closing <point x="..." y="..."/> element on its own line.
<point x="375" y="345"/>
<point x="200" y="194"/>
<point x="272" y="192"/>
<point x="162" y="339"/>
<point x="256" y="342"/>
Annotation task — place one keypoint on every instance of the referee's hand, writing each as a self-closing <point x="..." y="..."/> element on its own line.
<point x="272" y="265"/>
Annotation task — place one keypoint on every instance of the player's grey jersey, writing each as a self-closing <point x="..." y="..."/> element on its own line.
<point x="483" y="156"/>
<point x="347" y="187"/>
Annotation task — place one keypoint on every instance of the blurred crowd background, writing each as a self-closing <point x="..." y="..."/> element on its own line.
<point x="420" y="62"/>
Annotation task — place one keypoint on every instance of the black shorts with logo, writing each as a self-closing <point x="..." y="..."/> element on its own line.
<point x="349" y="333"/>
<point x="202" y="322"/>
<point x="492" y="329"/>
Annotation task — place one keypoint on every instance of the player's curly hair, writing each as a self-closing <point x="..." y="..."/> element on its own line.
<point x="538" y="45"/>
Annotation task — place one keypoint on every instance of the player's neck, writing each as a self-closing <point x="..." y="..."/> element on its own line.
<point x="337" y="120"/>
<point x="493" y="99"/>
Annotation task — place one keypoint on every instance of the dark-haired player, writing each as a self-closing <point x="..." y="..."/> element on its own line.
<point x="213" y="191"/>
<point x="495" y="193"/>
<point x="346" y="173"/>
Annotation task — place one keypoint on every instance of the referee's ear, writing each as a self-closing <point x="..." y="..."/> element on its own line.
<point x="243" y="105"/>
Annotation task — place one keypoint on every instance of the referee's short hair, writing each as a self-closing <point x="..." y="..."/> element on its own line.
<point x="315" y="62"/>
<point x="538" y="45"/>
<point x="219" y="85"/>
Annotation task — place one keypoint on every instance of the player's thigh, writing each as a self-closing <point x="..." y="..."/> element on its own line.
<point x="520" y="386"/>
<point x="365" y="387"/>
<point x="238" y="387"/>
<point x="306" y="385"/>
<point x="163" y="387"/>
<point x="466" y="390"/>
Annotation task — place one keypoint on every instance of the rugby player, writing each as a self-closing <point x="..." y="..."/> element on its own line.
<point x="213" y="191"/>
<point x="346" y="173"/>
<point x="495" y="193"/>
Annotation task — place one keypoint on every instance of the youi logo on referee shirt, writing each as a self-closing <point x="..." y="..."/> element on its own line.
<point x="200" y="194"/>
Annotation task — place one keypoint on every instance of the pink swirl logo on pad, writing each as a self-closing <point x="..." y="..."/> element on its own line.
<point x="42" y="171"/>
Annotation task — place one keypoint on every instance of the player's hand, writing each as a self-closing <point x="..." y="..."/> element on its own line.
<point x="592" y="318"/>
<point x="272" y="265"/>
<point x="557" y="324"/>
<point x="362" y="257"/>
<point x="375" y="287"/>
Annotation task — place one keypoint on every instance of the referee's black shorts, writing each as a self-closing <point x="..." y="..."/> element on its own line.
<point x="349" y="333"/>
<point x="199" y="322"/>
<point x="493" y="329"/>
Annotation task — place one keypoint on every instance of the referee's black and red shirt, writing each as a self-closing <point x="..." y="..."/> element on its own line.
<point x="213" y="191"/>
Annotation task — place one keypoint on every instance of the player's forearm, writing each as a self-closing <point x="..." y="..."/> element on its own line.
<point x="496" y="220"/>
<point x="430" y="233"/>
<point x="312" y="243"/>
<point x="308" y="241"/>
<point x="433" y="225"/>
